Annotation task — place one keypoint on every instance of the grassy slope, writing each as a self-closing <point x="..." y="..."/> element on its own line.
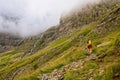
<point x="62" y="52"/>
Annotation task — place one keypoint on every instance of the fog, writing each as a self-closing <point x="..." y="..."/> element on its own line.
<point x="31" y="17"/>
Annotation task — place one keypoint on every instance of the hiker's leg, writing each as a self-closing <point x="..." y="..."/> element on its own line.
<point x="90" y="50"/>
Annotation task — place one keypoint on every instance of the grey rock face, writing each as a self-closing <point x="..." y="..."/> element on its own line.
<point x="8" y="41"/>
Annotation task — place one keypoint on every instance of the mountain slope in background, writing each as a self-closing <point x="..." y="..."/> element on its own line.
<point x="8" y="41"/>
<point x="60" y="53"/>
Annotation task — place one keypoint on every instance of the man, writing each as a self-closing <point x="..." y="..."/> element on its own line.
<point x="89" y="46"/>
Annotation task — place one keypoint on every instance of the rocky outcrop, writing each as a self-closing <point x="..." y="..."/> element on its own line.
<point x="90" y="13"/>
<point x="8" y="41"/>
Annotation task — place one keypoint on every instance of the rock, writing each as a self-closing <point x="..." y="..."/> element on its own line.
<point x="101" y="56"/>
<point x="100" y="60"/>
<point x="104" y="44"/>
<point x="101" y="72"/>
<point x="91" y="78"/>
<point x="8" y="41"/>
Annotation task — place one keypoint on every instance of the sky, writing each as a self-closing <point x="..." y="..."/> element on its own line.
<point x="31" y="17"/>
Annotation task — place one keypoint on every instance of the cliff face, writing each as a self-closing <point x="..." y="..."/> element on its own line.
<point x="86" y="15"/>
<point x="8" y="41"/>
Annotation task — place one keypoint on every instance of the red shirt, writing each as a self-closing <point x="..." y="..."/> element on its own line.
<point x="89" y="46"/>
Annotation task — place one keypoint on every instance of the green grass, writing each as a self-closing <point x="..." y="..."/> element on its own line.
<point x="72" y="75"/>
<point x="79" y="73"/>
<point x="63" y="49"/>
<point x="90" y="65"/>
<point x="51" y="49"/>
<point x="58" y="47"/>
<point x="111" y="71"/>
<point x="69" y="56"/>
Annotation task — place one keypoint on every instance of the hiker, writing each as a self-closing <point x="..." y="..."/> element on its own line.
<point x="89" y="46"/>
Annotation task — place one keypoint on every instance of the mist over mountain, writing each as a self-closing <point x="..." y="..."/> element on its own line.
<point x="31" y="17"/>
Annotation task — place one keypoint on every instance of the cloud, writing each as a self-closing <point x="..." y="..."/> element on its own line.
<point x="30" y="17"/>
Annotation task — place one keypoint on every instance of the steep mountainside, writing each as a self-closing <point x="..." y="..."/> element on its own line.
<point x="60" y="53"/>
<point x="8" y="41"/>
